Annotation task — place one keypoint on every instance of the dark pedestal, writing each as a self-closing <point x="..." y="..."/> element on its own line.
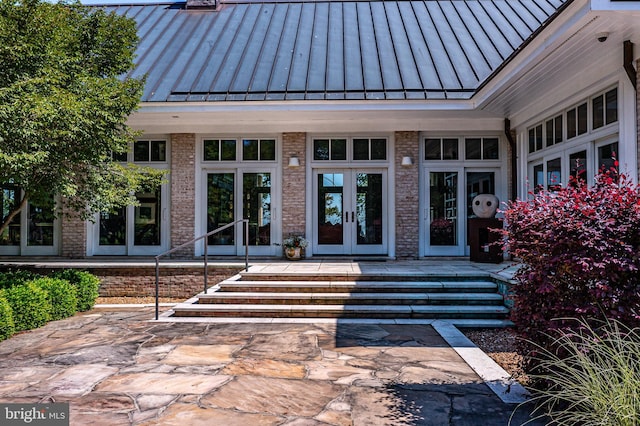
<point x="481" y="238"/>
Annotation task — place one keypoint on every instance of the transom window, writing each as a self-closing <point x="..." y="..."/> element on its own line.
<point x="362" y="149"/>
<point x="603" y="109"/>
<point x="475" y="148"/>
<point x="150" y="151"/>
<point x="227" y="149"/>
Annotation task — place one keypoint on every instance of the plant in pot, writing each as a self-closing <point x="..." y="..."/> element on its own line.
<point x="294" y="246"/>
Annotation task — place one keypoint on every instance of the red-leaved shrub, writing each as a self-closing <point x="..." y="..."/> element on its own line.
<point x="579" y="248"/>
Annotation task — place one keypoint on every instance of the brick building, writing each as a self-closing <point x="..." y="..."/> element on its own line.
<point x="367" y="126"/>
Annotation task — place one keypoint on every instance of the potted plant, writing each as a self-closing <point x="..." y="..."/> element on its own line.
<point x="294" y="246"/>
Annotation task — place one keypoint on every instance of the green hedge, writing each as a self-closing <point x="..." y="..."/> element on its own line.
<point x="7" y="327"/>
<point x="12" y="278"/>
<point x="86" y="284"/>
<point x="62" y="297"/>
<point x="30" y="305"/>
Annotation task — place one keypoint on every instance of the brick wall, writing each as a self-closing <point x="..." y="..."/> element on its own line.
<point x="407" y="194"/>
<point x="73" y="240"/>
<point x="183" y="192"/>
<point x="293" y="184"/>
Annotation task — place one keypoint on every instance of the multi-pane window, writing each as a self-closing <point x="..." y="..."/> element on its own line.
<point x="330" y="149"/>
<point x="553" y="130"/>
<point x="150" y="150"/>
<point x="535" y="138"/>
<point x="219" y="149"/>
<point x="441" y="149"/>
<point x="258" y="150"/>
<point x="369" y="149"/>
<point x="605" y="109"/>
<point x="481" y="148"/>
<point x="577" y="121"/>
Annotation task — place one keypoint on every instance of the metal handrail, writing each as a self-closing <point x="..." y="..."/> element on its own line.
<point x="206" y="264"/>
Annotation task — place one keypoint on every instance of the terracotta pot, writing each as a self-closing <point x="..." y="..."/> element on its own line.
<point x="294" y="253"/>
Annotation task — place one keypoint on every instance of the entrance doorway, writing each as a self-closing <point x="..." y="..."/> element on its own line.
<point x="449" y="196"/>
<point x="350" y="212"/>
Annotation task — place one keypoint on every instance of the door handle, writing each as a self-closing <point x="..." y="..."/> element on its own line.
<point x="346" y="217"/>
<point x="353" y="217"/>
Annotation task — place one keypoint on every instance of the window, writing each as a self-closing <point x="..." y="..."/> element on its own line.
<point x="219" y="150"/>
<point x="538" y="176"/>
<point x="554" y="174"/>
<point x="150" y="150"/>
<point x="369" y="149"/>
<point x="441" y="149"/>
<point x="330" y="149"/>
<point x="553" y="128"/>
<point x="120" y="157"/>
<point x="577" y="121"/>
<point x="481" y="148"/>
<point x="608" y="157"/>
<point x="259" y="150"/>
<point x="535" y="138"/>
<point x="578" y="165"/>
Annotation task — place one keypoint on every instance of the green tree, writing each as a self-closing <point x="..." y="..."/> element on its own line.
<point x="64" y="103"/>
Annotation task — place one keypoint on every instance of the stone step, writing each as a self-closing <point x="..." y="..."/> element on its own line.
<point x="291" y="298"/>
<point x="358" y="286"/>
<point x="315" y="275"/>
<point x="341" y="311"/>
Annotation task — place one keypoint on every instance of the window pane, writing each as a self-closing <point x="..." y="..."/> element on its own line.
<point x="578" y="165"/>
<point x="320" y="149"/>
<point x="378" y="149"/>
<point x="598" y="112"/>
<point x="158" y="151"/>
<point x="582" y="119"/>
<point x="8" y="202"/>
<point x="361" y="149"/>
<point x="538" y="176"/>
<point x="450" y="149"/>
<point x="607" y="156"/>
<point x="612" y="106"/>
<point x="40" y="221"/>
<point x="432" y="149"/>
<point x="267" y="150"/>
<point x="250" y="149"/>
<point x="571" y="123"/>
<point x="549" y="134"/>
<point x="147" y="219"/>
<point x="554" y="174"/>
<point x="490" y="148"/>
<point x="532" y="140"/>
<point x="538" y="137"/>
<point x="113" y="228"/>
<point x="220" y="208"/>
<point x="256" y="189"/>
<point x="229" y="150"/>
<point x="473" y="148"/>
<point x="558" y="129"/>
<point x="119" y="156"/>
<point x="141" y="151"/>
<point x="211" y="150"/>
<point x="338" y="149"/>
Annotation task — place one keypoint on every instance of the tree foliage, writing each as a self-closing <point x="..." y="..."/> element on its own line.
<point x="64" y="103"/>
<point x="580" y="253"/>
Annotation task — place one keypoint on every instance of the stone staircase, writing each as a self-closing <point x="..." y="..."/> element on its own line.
<point x="471" y="300"/>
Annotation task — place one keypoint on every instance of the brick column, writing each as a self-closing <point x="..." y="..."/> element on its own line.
<point x="183" y="191"/>
<point x="73" y="240"/>
<point x="293" y="184"/>
<point x="407" y="195"/>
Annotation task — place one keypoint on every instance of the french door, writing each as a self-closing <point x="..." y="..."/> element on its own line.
<point x="134" y="230"/>
<point x="350" y="211"/>
<point x="240" y="194"/>
<point x="449" y="196"/>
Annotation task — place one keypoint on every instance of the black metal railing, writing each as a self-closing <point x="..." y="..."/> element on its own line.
<point x="206" y="264"/>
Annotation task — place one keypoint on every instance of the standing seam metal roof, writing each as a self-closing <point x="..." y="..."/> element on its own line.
<point x="329" y="50"/>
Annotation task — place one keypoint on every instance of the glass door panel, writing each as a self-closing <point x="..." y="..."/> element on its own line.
<point x="329" y="229"/>
<point x="113" y="228"/>
<point x="443" y="208"/>
<point x="40" y="220"/>
<point x="369" y="208"/>
<point x="147" y="215"/>
<point x="256" y="191"/>
<point x="8" y="202"/>
<point x="479" y="183"/>
<point x="220" y="208"/>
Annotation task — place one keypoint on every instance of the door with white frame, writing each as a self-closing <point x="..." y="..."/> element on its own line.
<point x="350" y="212"/>
<point x="135" y="230"/>
<point x="449" y="193"/>
<point x="234" y="194"/>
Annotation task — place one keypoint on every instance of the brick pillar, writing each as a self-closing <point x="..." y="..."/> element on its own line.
<point x="73" y="240"/>
<point x="407" y="194"/>
<point x="293" y="184"/>
<point x="183" y="191"/>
